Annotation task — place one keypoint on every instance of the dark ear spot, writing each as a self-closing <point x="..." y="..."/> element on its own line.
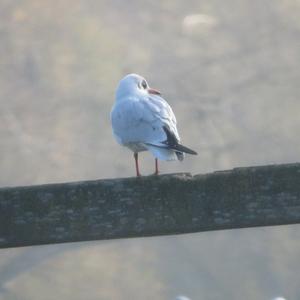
<point x="144" y="84"/>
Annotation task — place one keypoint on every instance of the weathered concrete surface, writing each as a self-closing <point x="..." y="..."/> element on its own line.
<point x="136" y="207"/>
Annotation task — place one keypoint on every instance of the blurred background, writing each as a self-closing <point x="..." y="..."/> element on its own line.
<point x="231" y="72"/>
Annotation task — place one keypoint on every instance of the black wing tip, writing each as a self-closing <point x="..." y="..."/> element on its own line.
<point x="173" y="143"/>
<point x="185" y="149"/>
<point x="193" y="152"/>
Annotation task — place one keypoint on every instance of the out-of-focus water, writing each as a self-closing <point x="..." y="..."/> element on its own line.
<point x="231" y="72"/>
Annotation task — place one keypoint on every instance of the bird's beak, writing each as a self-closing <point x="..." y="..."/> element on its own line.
<point x="154" y="92"/>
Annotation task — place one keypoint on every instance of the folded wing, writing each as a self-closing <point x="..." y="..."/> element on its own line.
<point x="151" y="121"/>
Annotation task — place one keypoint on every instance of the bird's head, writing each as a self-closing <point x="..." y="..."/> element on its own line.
<point x="134" y="85"/>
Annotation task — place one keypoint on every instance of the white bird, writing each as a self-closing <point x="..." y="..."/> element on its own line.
<point x="142" y="120"/>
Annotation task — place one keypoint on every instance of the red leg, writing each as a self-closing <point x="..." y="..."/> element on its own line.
<point x="156" y="167"/>
<point x="138" y="174"/>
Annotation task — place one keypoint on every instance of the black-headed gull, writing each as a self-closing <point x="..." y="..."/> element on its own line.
<point x="142" y="120"/>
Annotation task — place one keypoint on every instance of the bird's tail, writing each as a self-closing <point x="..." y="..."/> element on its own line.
<point x="162" y="153"/>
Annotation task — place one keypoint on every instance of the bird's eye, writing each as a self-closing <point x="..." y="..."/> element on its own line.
<point x="144" y="84"/>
